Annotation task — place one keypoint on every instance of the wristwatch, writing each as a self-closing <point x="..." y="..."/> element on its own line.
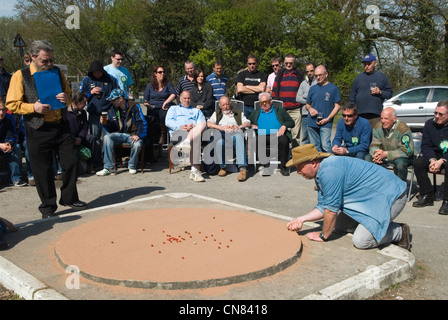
<point x="321" y="235"/>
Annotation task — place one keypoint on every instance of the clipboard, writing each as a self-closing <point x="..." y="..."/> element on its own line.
<point x="48" y="85"/>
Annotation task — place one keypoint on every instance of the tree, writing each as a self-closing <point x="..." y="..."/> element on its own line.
<point x="172" y="32"/>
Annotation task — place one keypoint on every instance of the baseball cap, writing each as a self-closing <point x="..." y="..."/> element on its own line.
<point x="115" y="94"/>
<point x="368" y="58"/>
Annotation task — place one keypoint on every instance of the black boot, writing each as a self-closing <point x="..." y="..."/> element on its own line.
<point x="444" y="208"/>
<point x="162" y="139"/>
<point x="424" y="201"/>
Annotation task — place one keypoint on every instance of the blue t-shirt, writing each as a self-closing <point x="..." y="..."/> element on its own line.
<point x="123" y="77"/>
<point x="362" y="190"/>
<point x="322" y="98"/>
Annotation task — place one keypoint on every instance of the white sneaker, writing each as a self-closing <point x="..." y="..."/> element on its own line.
<point x="105" y="172"/>
<point x="183" y="146"/>
<point x="132" y="171"/>
<point x="197" y="176"/>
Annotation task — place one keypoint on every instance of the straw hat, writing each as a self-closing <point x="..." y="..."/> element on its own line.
<point x="303" y="153"/>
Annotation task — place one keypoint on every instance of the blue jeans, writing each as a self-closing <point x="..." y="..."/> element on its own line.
<point x="248" y="110"/>
<point x="304" y="137"/>
<point x="320" y="137"/>
<point x="240" y="150"/>
<point x="114" y="138"/>
<point x="96" y="128"/>
<point x="14" y="159"/>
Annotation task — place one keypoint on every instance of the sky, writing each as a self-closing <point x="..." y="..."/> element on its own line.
<point x="6" y="8"/>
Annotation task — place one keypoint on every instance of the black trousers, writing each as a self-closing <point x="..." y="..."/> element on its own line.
<point x="41" y="143"/>
<point x="94" y="145"/>
<point x="283" y="147"/>
<point x="421" y="167"/>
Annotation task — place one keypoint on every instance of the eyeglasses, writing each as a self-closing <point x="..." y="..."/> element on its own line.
<point x="319" y="75"/>
<point x="275" y="65"/>
<point x="119" y="59"/>
<point x="251" y="63"/>
<point x="309" y="71"/>
<point x="46" y="61"/>
<point x="287" y="63"/>
<point x="267" y="102"/>
<point x="348" y="115"/>
<point x="439" y="114"/>
<point x="160" y="72"/>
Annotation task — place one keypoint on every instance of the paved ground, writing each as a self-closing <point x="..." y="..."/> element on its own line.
<point x="286" y="197"/>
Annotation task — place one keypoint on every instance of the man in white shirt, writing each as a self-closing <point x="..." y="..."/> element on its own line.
<point x="230" y="123"/>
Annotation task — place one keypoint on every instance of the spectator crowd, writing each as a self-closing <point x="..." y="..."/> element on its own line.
<point x="70" y="133"/>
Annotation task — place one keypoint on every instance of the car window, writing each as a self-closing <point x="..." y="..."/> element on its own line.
<point x="414" y="96"/>
<point x="440" y="94"/>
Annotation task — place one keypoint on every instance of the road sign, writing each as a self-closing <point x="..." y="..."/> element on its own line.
<point x="18" y="41"/>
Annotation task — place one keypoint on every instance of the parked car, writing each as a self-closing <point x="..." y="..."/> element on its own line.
<point x="416" y="105"/>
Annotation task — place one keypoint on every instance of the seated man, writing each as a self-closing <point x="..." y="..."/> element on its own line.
<point x="433" y="157"/>
<point x="189" y="122"/>
<point x="9" y="150"/>
<point x="353" y="134"/>
<point x="273" y="122"/>
<point x="230" y="123"/>
<point x="392" y="143"/>
<point x="125" y="124"/>
<point x="79" y="126"/>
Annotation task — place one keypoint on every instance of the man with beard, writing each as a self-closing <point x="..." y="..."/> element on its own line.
<point x="230" y="122"/>
<point x="46" y="131"/>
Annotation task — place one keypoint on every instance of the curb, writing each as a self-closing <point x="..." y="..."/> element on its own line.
<point x="25" y="285"/>
<point x="374" y="280"/>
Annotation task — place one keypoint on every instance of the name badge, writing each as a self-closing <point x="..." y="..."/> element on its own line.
<point x="444" y="146"/>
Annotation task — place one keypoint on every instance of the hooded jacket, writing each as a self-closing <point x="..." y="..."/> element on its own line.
<point x="130" y="120"/>
<point x="96" y="105"/>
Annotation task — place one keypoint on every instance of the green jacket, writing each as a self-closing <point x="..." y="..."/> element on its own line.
<point x="392" y="143"/>
<point x="282" y="116"/>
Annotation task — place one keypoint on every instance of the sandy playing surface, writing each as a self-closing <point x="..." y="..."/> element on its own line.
<point x="177" y="245"/>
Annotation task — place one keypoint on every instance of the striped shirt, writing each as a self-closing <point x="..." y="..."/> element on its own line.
<point x="219" y="85"/>
<point x="184" y="84"/>
<point x="289" y="85"/>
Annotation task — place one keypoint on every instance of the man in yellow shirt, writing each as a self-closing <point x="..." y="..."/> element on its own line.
<point x="46" y="131"/>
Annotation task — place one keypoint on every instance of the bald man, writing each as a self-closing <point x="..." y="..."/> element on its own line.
<point x="322" y="104"/>
<point x="392" y="143"/>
